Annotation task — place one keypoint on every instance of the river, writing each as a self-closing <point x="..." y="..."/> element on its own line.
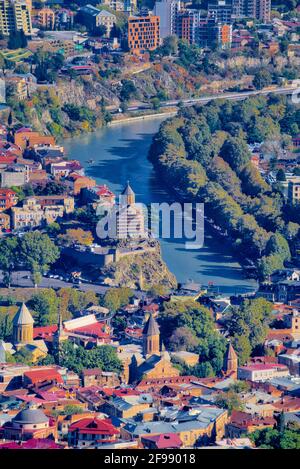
<point x="120" y="154"/>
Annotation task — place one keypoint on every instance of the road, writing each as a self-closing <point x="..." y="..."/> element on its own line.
<point x="22" y="279"/>
<point x="206" y="99"/>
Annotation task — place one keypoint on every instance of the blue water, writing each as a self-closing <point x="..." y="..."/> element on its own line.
<point x="120" y="154"/>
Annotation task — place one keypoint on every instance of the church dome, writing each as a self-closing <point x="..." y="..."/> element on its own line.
<point x="31" y="415"/>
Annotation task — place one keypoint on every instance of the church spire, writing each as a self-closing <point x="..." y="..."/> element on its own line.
<point x="151" y="337"/>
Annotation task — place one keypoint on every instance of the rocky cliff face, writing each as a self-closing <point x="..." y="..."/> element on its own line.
<point x="140" y="271"/>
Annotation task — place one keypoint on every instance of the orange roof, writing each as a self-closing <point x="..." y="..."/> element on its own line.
<point x="38" y="376"/>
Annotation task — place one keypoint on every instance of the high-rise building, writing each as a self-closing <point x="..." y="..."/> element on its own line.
<point x="167" y="10"/>
<point x="15" y="16"/>
<point x="257" y="9"/>
<point x="221" y="10"/>
<point x="212" y="34"/>
<point x="188" y="22"/>
<point x="143" y="33"/>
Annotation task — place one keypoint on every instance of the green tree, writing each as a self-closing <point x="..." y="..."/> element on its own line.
<point x="37" y="251"/>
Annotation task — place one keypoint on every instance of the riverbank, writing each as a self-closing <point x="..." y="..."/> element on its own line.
<point x="120" y="154"/>
<point x="142" y="117"/>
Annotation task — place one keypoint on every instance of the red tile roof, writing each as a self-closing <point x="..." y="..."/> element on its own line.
<point x="38" y="376"/>
<point x="44" y="332"/>
<point x="166" y="440"/>
<point x="94" y="426"/>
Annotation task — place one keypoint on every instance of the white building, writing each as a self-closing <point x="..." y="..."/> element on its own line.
<point x="167" y="11"/>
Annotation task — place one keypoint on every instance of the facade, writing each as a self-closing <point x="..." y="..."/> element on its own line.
<point x="89" y="432"/>
<point x="4" y="222"/>
<point x="167" y="11"/>
<point x="8" y="198"/>
<point x="46" y="18"/>
<point x="188" y="22"/>
<point x="37" y="209"/>
<point x="93" y="18"/>
<point x="221" y="10"/>
<point x="262" y="372"/>
<point x="15" y="16"/>
<point x="294" y="190"/>
<point x="143" y="33"/>
<point x="258" y="9"/>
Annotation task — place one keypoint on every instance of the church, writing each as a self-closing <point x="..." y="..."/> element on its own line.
<point x="22" y="337"/>
<point x="127" y="219"/>
<point x="156" y="363"/>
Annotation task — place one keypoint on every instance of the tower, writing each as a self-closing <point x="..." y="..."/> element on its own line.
<point x="23" y="326"/>
<point x="60" y="335"/>
<point x="230" y="361"/>
<point x="151" y="338"/>
<point x="127" y="196"/>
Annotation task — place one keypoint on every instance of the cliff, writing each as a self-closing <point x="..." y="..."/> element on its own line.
<point x="140" y="270"/>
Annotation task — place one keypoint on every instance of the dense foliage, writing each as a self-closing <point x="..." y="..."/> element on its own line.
<point x="203" y="153"/>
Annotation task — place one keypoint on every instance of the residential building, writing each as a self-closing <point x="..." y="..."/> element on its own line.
<point x="14" y="176"/>
<point x="188" y="22"/>
<point x="26" y="137"/>
<point x="97" y="377"/>
<point x="200" y="424"/>
<point x="89" y="432"/>
<point x="257" y="9"/>
<point x="93" y="18"/>
<point x="221" y="10"/>
<point x="262" y="372"/>
<point x="39" y="209"/>
<point x="4" y="222"/>
<point x="15" y="16"/>
<point x="143" y="33"/>
<point x="167" y="11"/>
<point x="45" y="18"/>
<point x="8" y="198"/>
<point x="79" y="182"/>
<point x="294" y="190"/>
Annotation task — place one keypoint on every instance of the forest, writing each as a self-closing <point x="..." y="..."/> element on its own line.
<point x="203" y="154"/>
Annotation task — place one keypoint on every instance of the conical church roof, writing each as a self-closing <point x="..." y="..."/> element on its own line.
<point x="151" y="327"/>
<point x="23" y="316"/>
<point x="230" y="353"/>
<point x="127" y="190"/>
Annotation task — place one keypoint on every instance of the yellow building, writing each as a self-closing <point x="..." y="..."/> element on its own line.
<point x="23" y="327"/>
<point x="15" y="16"/>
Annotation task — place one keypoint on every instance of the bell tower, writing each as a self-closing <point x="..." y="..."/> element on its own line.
<point x="151" y="338"/>
<point x="23" y="327"/>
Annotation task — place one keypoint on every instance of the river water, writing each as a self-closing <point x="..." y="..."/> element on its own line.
<point x="120" y="154"/>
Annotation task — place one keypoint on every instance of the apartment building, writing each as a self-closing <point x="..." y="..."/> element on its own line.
<point x="45" y="18"/>
<point x="15" y="16"/>
<point x="39" y="209"/>
<point x="8" y="198"/>
<point x="258" y="9"/>
<point x="188" y="22"/>
<point x="167" y="10"/>
<point x="143" y="33"/>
